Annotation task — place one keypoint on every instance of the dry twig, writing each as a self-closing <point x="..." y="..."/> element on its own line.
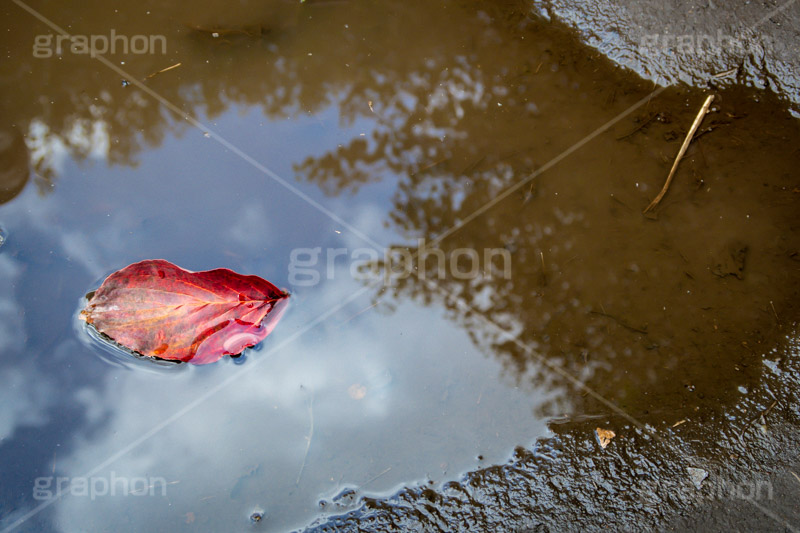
<point x="154" y="74"/>
<point x="696" y="124"/>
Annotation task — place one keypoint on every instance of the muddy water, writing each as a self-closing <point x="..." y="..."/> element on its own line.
<point x="289" y="141"/>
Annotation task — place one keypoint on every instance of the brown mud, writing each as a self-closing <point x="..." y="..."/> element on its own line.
<point x="677" y="330"/>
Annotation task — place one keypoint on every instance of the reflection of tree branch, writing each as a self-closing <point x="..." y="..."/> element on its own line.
<point x="355" y="161"/>
<point x="458" y="117"/>
<point x="451" y="148"/>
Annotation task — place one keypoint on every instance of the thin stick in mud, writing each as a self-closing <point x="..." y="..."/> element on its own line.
<point x="154" y="74"/>
<point x="696" y="124"/>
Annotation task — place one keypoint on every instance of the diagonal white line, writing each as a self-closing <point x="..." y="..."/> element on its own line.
<point x="212" y="134"/>
<point x="771" y="14"/>
<point x="688" y="456"/>
<point x="547" y="166"/>
<point x="190" y="406"/>
<point x="224" y="142"/>
<point x="472" y="216"/>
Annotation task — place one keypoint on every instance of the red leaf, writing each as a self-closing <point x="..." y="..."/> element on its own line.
<point x="161" y="310"/>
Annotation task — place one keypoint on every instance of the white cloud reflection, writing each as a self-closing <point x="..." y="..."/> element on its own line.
<point x="428" y="409"/>
<point x="398" y="396"/>
<point x="24" y="396"/>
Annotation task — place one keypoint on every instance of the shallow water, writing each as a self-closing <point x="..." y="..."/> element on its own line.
<point x="351" y="128"/>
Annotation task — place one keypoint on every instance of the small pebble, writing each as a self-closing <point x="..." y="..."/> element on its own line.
<point x="697" y="476"/>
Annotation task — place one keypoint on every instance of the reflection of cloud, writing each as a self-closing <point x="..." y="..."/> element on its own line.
<point x="24" y="397"/>
<point x="12" y="331"/>
<point x="49" y="151"/>
<point x="92" y="403"/>
<point x="80" y="247"/>
<point x="369" y="218"/>
<point x="424" y="406"/>
<point x="251" y="227"/>
<point x="24" y="394"/>
<point x="460" y="88"/>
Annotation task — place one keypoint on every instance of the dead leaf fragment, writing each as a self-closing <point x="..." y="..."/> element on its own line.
<point x="161" y="310"/>
<point x="604" y="436"/>
<point x="697" y="476"/>
<point x="357" y="391"/>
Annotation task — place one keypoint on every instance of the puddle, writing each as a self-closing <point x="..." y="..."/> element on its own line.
<point x="321" y="133"/>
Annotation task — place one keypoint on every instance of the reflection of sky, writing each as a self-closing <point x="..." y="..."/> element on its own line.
<point x="397" y="395"/>
<point x="428" y="409"/>
<point x="24" y="400"/>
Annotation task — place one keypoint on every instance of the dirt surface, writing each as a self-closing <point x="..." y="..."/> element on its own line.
<point x="702" y="43"/>
<point x="703" y="461"/>
<point x="630" y="371"/>
<point x="638" y="483"/>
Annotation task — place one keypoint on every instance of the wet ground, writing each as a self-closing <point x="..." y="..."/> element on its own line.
<point x="298" y="142"/>
<point x="702" y="43"/>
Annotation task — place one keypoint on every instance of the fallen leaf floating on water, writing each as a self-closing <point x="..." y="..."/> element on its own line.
<point x="160" y="310"/>
<point x="604" y="436"/>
